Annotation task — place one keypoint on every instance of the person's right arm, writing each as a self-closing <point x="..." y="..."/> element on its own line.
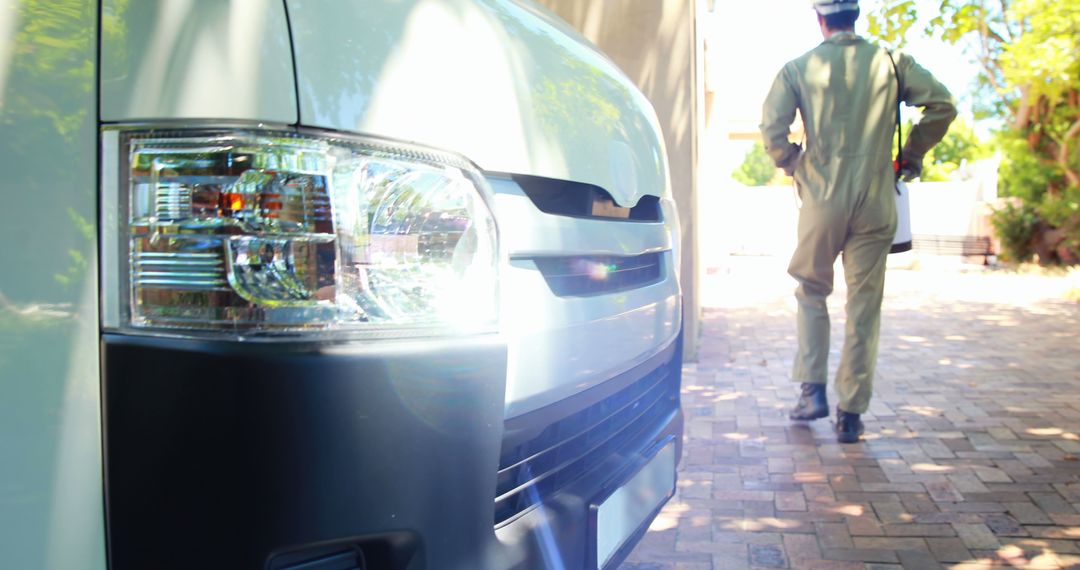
<point x="777" y="114"/>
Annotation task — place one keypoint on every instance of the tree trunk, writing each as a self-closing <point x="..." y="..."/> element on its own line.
<point x="1046" y="241"/>
<point x="1023" y="113"/>
<point x="1063" y="154"/>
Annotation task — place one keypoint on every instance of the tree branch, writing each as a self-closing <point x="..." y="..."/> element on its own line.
<point x="1063" y="154"/>
<point x="1005" y="19"/>
<point x="991" y="33"/>
<point x="1023" y="113"/>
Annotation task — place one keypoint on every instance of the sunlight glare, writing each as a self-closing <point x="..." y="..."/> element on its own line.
<point x="1010" y="551"/>
<point x="849" y="510"/>
<point x="931" y="468"/>
<point x="664" y="521"/>
<point x="928" y="411"/>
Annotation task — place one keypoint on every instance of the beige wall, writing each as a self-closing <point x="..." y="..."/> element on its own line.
<point x="656" y="44"/>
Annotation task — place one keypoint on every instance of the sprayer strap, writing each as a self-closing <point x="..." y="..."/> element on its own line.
<point x="899" y="136"/>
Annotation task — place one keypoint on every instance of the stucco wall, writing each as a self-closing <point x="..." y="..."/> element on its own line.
<point x="656" y="44"/>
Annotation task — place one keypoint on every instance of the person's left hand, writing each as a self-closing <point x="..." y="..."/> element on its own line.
<point x="910" y="169"/>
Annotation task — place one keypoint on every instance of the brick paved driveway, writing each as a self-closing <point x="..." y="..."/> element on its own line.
<point x="970" y="458"/>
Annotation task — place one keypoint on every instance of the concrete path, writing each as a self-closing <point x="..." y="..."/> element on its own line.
<point x="971" y="453"/>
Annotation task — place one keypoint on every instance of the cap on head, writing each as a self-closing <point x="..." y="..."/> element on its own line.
<point x="828" y="7"/>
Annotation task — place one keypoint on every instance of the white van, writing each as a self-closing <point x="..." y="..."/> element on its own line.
<point x="329" y="284"/>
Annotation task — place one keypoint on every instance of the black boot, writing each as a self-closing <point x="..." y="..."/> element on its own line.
<point x="812" y="404"/>
<point x="848" y="427"/>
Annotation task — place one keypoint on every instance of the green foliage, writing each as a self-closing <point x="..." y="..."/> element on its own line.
<point x="1030" y="53"/>
<point x="960" y="146"/>
<point x="757" y="168"/>
<point x="1063" y="211"/>
<point x="43" y="50"/>
<point x="1015" y="227"/>
<point x="1059" y="210"/>
<point x="894" y="20"/>
<point x="1043" y="57"/>
<point x="1023" y="174"/>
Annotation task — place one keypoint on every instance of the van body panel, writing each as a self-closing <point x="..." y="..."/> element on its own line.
<point x="489" y="79"/>
<point x="51" y="505"/>
<point x="196" y="59"/>
<point x="563" y="345"/>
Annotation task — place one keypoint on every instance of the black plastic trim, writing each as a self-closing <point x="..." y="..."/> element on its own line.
<point x="227" y="454"/>
<point x="580" y="200"/>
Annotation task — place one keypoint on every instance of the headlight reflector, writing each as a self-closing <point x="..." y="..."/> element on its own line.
<point x="264" y="231"/>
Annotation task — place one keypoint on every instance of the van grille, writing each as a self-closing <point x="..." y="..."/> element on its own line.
<point x="566" y="450"/>
<point x="580" y="200"/>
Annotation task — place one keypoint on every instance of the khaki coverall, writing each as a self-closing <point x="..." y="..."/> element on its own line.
<point x="846" y="92"/>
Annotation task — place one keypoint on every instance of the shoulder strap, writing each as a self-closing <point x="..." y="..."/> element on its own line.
<point x="899" y="136"/>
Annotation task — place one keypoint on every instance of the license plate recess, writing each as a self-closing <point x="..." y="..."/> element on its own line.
<point x="621" y="514"/>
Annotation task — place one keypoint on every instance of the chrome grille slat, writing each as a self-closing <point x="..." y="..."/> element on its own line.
<point x="651" y="391"/>
<point x="574" y="446"/>
<point x="583" y="455"/>
<point x="587" y="275"/>
<point x="182" y="270"/>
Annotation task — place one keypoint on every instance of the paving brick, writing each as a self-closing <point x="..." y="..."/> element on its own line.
<point x="720" y="562"/>
<point x="845" y="483"/>
<point x="889" y="543"/>
<point x="790" y="501"/>
<point x="976" y="536"/>
<point x="947" y="518"/>
<point x="973" y="507"/>
<point x="1052" y="503"/>
<point x="992" y="475"/>
<point x="948" y="549"/>
<point x="870" y="475"/>
<point x="864" y="526"/>
<point x="924" y="530"/>
<point x="967" y="484"/>
<point x="833" y="535"/>
<point x="860" y="555"/>
<point x="893" y="487"/>
<point x="918" y="560"/>
<point x="801" y="548"/>
<point x="920" y="506"/>
<point x="892" y="513"/>
<point x="944" y="492"/>
<point x="819" y="493"/>
<point x="1035" y="545"/>
<point x="1066" y="520"/>
<point x="1055" y="532"/>
<point x="767" y="556"/>
<point x="1004" y="525"/>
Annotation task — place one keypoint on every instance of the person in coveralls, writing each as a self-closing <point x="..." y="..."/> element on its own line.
<point x="845" y="90"/>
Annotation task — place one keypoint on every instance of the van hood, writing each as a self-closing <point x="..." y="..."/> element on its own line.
<point x="502" y="82"/>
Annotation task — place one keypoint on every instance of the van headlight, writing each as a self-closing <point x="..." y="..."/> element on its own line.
<point x="274" y="231"/>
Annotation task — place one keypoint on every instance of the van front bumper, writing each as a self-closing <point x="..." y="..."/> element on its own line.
<point x="271" y="455"/>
